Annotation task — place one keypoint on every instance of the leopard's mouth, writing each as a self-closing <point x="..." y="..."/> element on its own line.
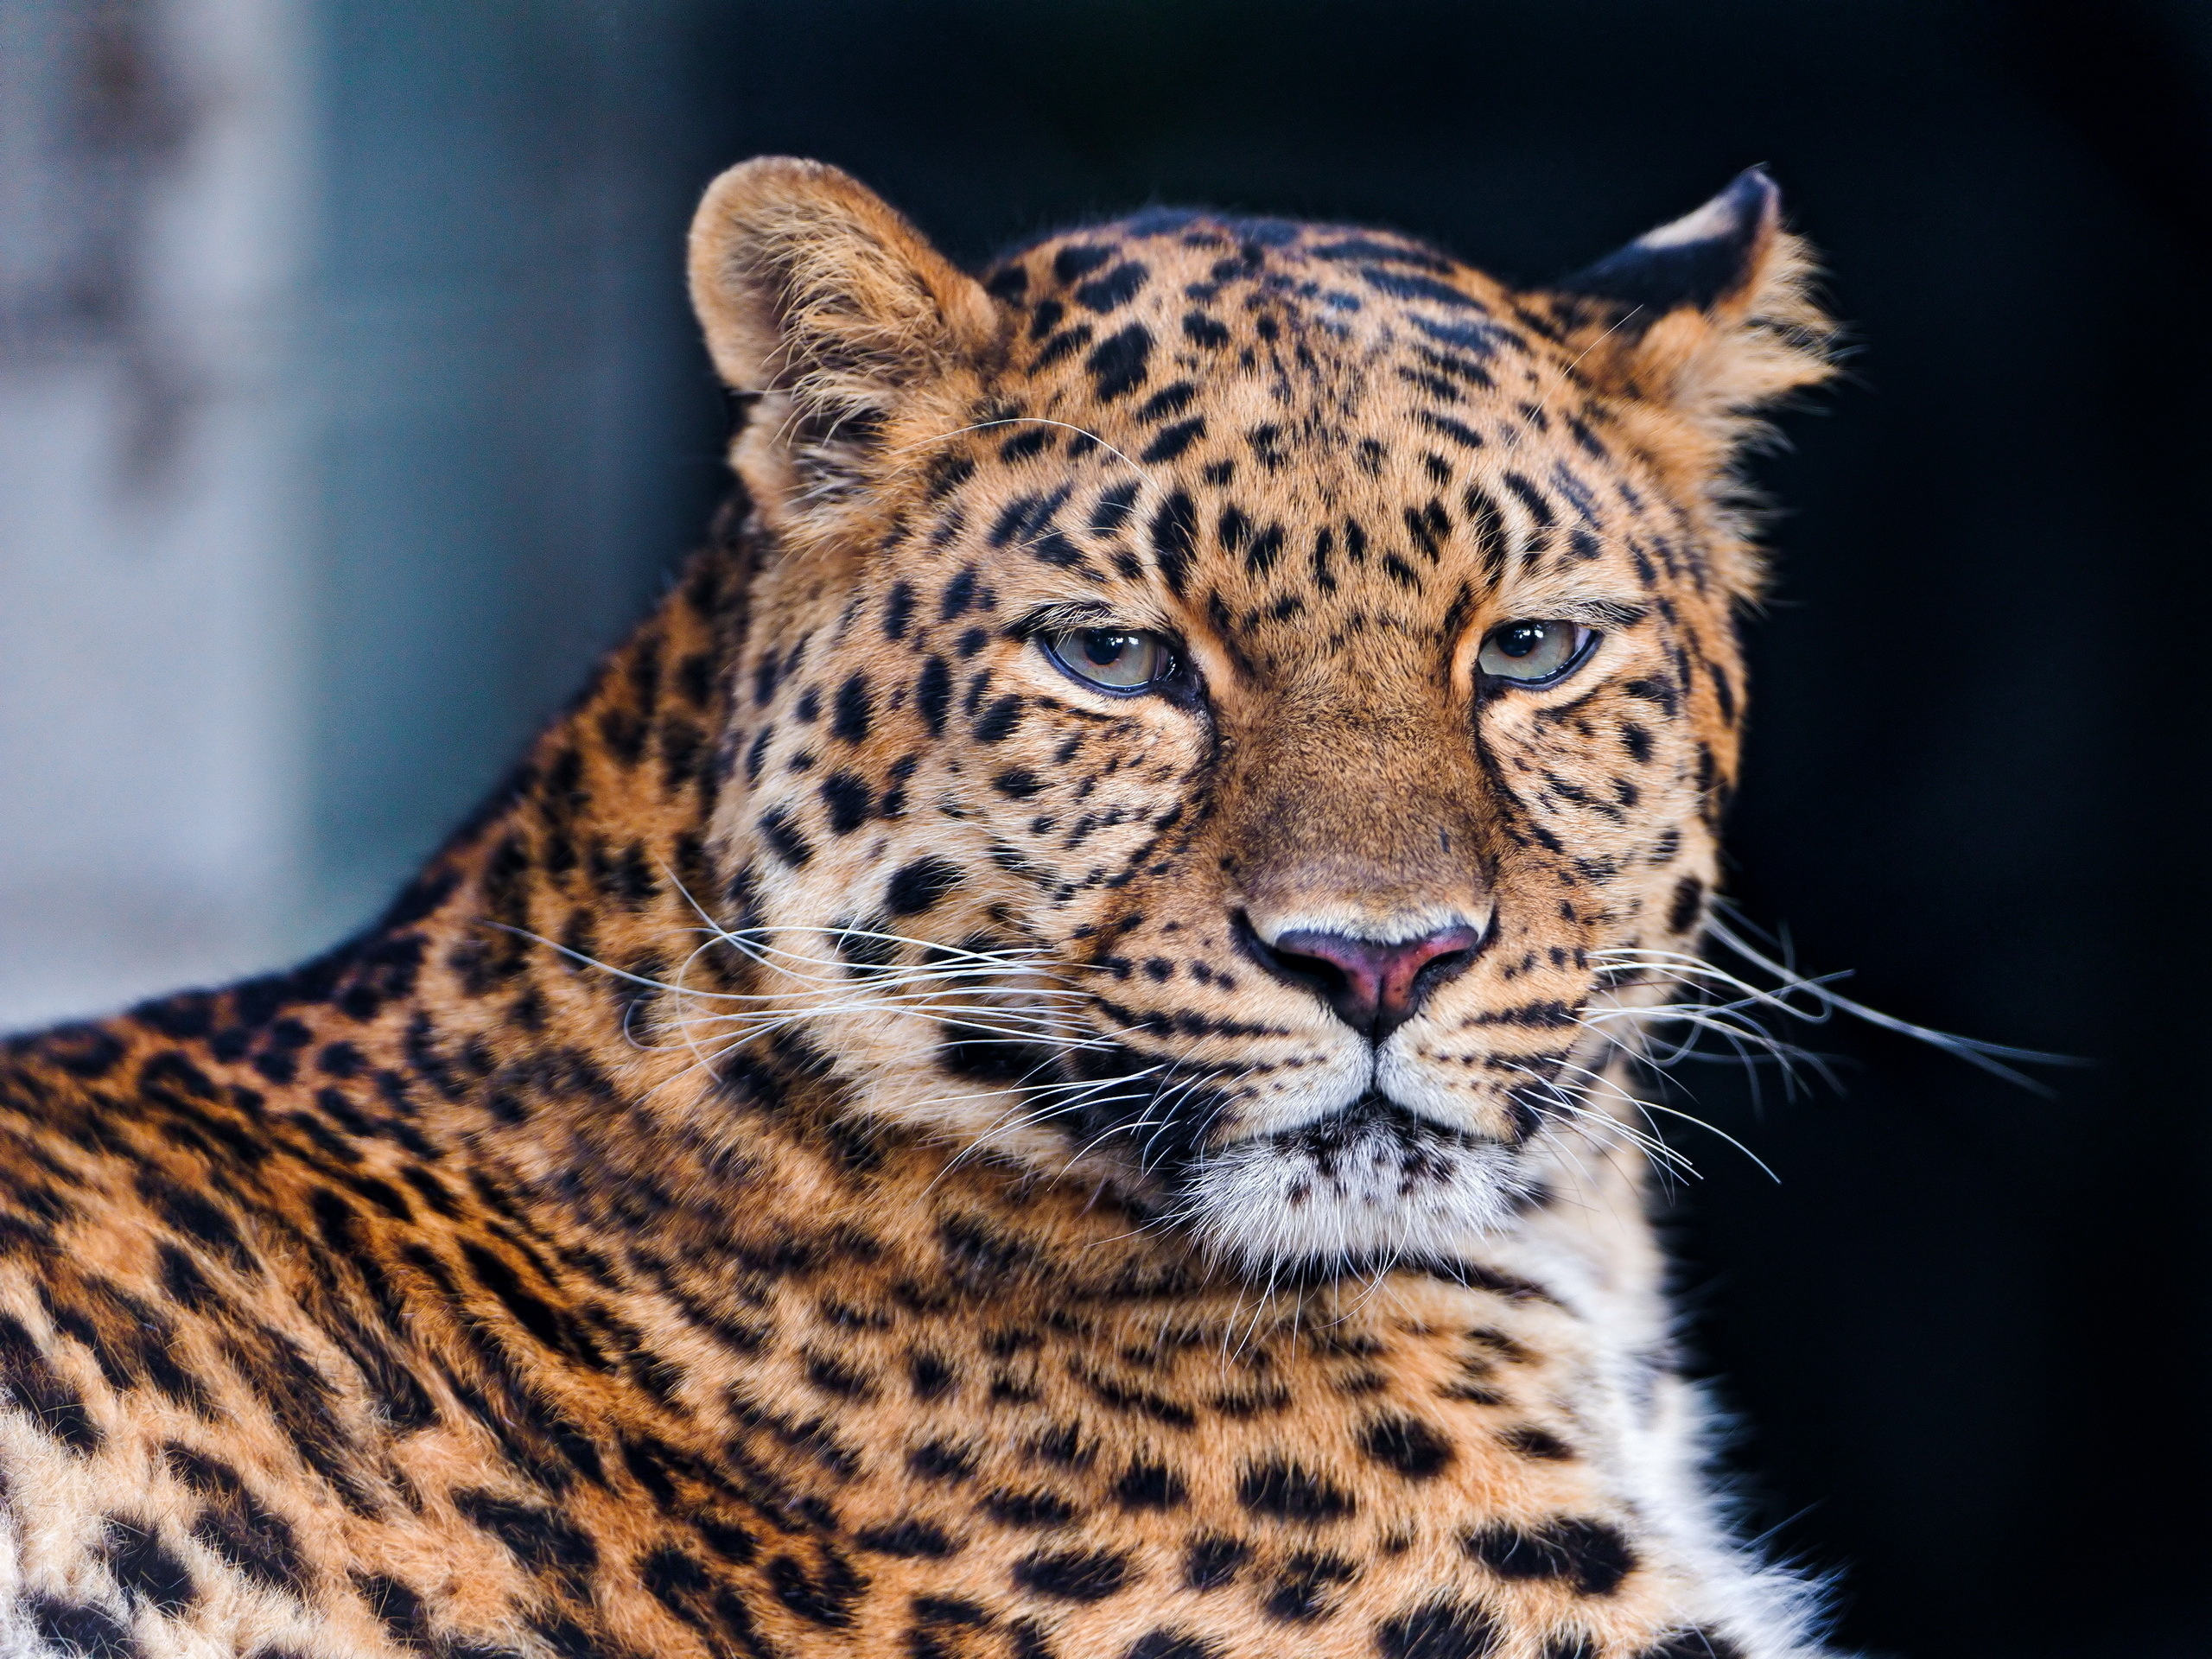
<point x="1373" y="1120"/>
<point x="1371" y="1181"/>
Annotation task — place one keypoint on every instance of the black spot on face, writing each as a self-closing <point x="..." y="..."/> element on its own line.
<point x="1589" y="1554"/>
<point x="1301" y="1595"/>
<point x="544" y="1540"/>
<point x="1118" y="364"/>
<point x="1115" y="509"/>
<point x="999" y="720"/>
<point x="1539" y="1445"/>
<point x="930" y="1375"/>
<point x="1415" y="1449"/>
<point x="1149" y="1486"/>
<point x="1687" y="905"/>
<point x="397" y="1607"/>
<point x="854" y="710"/>
<point x="1260" y="556"/>
<point x="1213" y="1560"/>
<point x="834" y="1376"/>
<point x="781" y="833"/>
<point x="147" y="1570"/>
<point x="536" y="1315"/>
<point x="933" y="693"/>
<point x="916" y="887"/>
<point x="79" y="1630"/>
<point x="340" y="1060"/>
<point x="1030" y="1509"/>
<point x="1073" y="1575"/>
<point x="1045" y="318"/>
<point x="981" y="1056"/>
<point x="1201" y="330"/>
<point x="1404" y="285"/>
<point x="1174" y="439"/>
<point x="1288" y="1492"/>
<point x="1168" y="400"/>
<point x="1116" y="287"/>
<point x="848" y="800"/>
<point x="1038" y="439"/>
<point x="82" y="1051"/>
<point x="942" y="1460"/>
<point x="1175" y="539"/>
<point x="198" y="1217"/>
<point x="1442" y="1629"/>
<point x="234" y="1523"/>
<point x="897" y="610"/>
<point x="1079" y="259"/>
<point x="959" y="594"/>
<point x="908" y="1540"/>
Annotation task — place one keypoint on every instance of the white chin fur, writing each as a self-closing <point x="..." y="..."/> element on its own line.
<point x="1365" y="1186"/>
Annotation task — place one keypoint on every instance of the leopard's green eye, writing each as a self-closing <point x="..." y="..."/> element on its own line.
<point x="1112" y="659"/>
<point x="1534" y="652"/>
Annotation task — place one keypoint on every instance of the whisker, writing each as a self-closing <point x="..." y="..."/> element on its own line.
<point x="1989" y="1057"/>
<point x="1655" y="1106"/>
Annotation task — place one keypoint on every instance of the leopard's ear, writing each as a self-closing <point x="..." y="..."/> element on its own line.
<point x="1711" y="317"/>
<point x="861" y="339"/>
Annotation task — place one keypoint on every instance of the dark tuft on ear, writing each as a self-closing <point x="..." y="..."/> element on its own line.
<point x="1705" y="321"/>
<point x="1698" y="327"/>
<point x="1700" y="260"/>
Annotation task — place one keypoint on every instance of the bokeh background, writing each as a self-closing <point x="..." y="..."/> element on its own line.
<point x="348" y="404"/>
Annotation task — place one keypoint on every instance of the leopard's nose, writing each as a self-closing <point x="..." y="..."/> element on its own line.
<point x="1375" y="984"/>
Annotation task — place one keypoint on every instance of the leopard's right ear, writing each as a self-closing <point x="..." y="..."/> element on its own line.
<point x="862" y="341"/>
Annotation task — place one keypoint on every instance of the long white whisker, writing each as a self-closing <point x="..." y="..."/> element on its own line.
<point x="1655" y="1106"/>
<point x="1990" y="1056"/>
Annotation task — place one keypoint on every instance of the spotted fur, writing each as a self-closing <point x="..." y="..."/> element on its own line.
<point x="832" y="1160"/>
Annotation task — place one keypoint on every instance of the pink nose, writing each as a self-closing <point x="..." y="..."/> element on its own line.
<point x="1374" y="988"/>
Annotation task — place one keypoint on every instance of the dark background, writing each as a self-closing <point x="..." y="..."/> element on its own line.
<point x="1966" y="1330"/>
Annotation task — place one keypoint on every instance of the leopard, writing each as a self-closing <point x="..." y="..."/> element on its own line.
<point x="1049" y="1061"/>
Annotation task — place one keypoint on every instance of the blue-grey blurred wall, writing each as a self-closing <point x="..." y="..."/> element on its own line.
<point x="348" y="405"/>
<point x="513" y="429"/>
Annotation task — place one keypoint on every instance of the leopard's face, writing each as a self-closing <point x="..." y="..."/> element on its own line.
<point x="1235" y="727"/>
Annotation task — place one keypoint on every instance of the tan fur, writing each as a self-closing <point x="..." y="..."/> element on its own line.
<point x="816" y="1167"/>
<point x="816" y="297"/>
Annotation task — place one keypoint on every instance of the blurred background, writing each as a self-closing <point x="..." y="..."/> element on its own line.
<point x="348" y="404"/>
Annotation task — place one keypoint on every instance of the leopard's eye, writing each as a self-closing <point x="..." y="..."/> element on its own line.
<point x="1118" y="660"/>
<point x="1534" y="652"/>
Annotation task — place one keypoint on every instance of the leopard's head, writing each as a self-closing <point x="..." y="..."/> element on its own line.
<point x="1231" y="707"/>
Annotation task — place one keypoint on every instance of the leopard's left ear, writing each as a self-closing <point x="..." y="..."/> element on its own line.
<point x="1711" y="317"/>
<point x="861" y="339"/>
